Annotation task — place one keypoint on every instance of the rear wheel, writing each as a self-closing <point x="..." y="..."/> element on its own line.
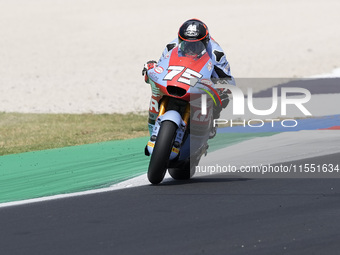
<point x="183" y="173"/>
<point x="188" y="169"/>
<point x="161" y="152"/>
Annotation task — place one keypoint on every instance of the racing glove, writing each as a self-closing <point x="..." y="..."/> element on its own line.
<point x="223" y="92"/>
<point x="224" y="98"/>
<point x="149" y="65"/>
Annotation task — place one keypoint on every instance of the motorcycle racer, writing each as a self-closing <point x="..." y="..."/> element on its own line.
<point x="194" y="40"/>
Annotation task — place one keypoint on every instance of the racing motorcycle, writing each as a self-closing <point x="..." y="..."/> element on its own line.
<point x="180" y="84"/>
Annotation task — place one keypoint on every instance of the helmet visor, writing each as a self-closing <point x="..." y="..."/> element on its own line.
<point x="196" y="49"/>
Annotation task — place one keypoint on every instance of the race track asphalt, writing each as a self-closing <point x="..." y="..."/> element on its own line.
<point x="206" y="215"/>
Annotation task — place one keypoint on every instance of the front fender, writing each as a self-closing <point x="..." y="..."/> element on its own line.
<point x="173" y="116"/>
<point x="176" y="118"/>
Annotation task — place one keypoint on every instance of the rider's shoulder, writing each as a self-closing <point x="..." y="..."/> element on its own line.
<point x="171" y="45"/>
<point x="216" y="50"/>
<point x="213" y="42"/>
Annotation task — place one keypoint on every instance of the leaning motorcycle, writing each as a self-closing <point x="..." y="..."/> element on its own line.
<point x="181" y="131"/>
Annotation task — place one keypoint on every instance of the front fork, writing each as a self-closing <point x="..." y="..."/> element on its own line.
<point x="174" y="116"/>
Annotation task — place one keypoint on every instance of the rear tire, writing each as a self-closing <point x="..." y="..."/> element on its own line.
<point x="161" y="152"/>
<point x="180" y="174"/>
<point x="183" y="173"/>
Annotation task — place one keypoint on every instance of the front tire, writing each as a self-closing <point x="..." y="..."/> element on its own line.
<point x="161" y="152"/>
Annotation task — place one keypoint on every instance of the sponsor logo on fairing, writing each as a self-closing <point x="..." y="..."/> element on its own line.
<point x="159" y="69"/>
<point x="209" y="66"/>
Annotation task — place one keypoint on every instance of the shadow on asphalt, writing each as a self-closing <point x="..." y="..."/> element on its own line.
<point x="202" y="179"/>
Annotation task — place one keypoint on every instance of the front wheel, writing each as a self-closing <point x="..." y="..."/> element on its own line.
<point x="161" y="152"/>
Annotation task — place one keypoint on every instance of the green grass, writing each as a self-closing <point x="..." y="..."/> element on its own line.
<point x="30" y="132"/>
